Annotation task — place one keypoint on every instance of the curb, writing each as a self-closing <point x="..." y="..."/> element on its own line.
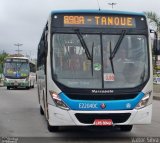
<point x="156" y="88"/>
<point x="156" y="97"/>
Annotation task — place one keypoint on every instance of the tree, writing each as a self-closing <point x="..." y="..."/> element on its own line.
<point x="154" y="21"/>
<point x="2" y="57"/>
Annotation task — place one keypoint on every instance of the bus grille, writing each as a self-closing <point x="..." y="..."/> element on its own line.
<point x="101" y="97"/>
<point x="88" y="118"/>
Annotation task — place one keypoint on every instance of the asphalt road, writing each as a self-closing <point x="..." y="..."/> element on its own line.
<point x="20" y="117"/>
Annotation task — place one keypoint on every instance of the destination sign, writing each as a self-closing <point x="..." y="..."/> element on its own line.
<point x="16" y="60"/>
<point x="99" y="21"/>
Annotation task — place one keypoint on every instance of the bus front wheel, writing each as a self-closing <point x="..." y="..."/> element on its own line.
<point x="8" y="88"/>
<point x="41" y="111"/>
<point x="52" y="128"/>
<point x="33" y="85"/>
<point x="126" y="128"/>
<point x="28" y="87"/>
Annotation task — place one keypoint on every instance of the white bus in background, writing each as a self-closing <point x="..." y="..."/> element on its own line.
<point x="19" y="72"/>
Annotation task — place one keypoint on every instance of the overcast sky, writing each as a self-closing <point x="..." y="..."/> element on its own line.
<point x="22" y="21"/>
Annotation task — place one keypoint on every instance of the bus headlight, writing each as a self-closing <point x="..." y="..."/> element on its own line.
<point x="144" y="100"/>
<point x="6" y="79"/>
<point x="59" y="103"/>
<point x="27" y="78"/>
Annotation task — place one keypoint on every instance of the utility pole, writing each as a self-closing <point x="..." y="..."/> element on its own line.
<point x="18" y="45"/>
<point x="112" y="4"/>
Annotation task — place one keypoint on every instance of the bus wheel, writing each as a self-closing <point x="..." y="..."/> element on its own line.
<point x="52" y="128"/>
<point x="27" y="87"/>
<point x="33" y="85"/>
<point x="41" y="111"/>
<point x="8" y="88"/>
<point x="126" y="128"/>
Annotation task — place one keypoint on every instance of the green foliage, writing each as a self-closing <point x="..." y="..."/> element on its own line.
<point x="1" y="69"/>
<point x="153" y="18"/>
<point x="2" y="57"/>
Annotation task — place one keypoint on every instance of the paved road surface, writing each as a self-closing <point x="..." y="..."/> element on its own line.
<point x="20" y="117"/>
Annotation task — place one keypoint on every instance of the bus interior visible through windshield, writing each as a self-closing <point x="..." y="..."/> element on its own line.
<point x="16" y="68"/>
<point x="94" y="72"/>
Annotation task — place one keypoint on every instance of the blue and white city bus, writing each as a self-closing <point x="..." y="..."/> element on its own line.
<point x="95" y="69"/>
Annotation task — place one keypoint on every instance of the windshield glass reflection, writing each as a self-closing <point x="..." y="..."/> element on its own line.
<point x="72" y="67"/>
<point x="16" y="69"/>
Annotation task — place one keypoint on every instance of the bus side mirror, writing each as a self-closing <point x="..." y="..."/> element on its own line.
<point x="155" y="42"/>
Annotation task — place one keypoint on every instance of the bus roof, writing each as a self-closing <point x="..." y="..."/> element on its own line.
<point x="20" y="58"/>
<point x="17" y="58"/>
<point x="98" y="11"/>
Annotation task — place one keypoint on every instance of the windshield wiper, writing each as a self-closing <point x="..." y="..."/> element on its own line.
<point x="118" y="44"/>
<point x="112" y="54"/>
<point x="83" y="43"/>
<point x="92" y="58"/>
<point x="111" y="61"/>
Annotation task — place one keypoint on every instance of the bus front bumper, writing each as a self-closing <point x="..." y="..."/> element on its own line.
<point x="16" y="84"/>
<point x="60" y="117"/>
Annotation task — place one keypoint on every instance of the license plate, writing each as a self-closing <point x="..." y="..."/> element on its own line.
<point x="16" y="83"/>
<point x="103" y="122"/>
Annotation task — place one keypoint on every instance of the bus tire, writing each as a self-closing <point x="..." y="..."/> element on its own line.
<point x="33" y="85"/>
<point x="126" y="128"/>
<point x="41" y="111"/>
<point x="8" y="88"/>
<point x="52" y="128"/>
<point x="27" y="87"/>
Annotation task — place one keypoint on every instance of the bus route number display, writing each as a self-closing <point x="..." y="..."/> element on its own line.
<point x="99" y="21"/>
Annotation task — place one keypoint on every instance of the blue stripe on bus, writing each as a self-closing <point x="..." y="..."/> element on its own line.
<point x="95" y="105"/>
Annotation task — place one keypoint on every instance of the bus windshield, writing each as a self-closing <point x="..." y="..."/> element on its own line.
<point x="72" y="68"/>
<point x="16" y="68"/>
